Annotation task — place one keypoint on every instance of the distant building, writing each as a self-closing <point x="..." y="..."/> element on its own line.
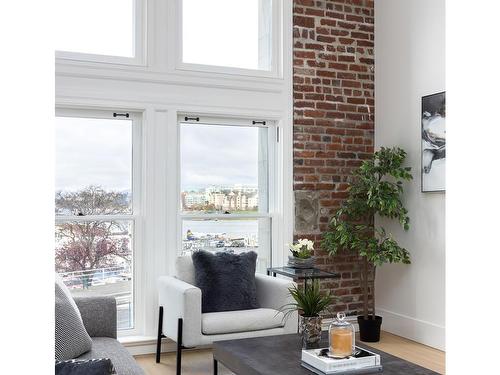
<point x="253" y="201"/>
<point x="192" y="199"/>
<point x="223" y="198"/>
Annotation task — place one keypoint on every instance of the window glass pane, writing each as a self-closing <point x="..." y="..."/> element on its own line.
<point x="224" y="169"/>
<point x="231" y="33"/>
<point x="235" y="236"/>
<point x="103" y="27"/>
<point x="95" y="258"/>
<point x="93" y="166"/>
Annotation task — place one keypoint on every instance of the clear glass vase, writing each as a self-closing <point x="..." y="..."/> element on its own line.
<point x="341" y="337"/>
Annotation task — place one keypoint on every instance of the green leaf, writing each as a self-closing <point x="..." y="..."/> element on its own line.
<point x="376" y="188"/>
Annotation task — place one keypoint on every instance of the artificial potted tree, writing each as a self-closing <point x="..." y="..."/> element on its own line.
<point x="310" y="303"/>
<point x="376" y="189"/>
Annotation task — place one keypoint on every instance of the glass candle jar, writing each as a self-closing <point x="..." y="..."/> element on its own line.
<point x="341" y="337"/>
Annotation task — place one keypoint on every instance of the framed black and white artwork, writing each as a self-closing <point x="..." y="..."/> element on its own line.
<point x="433" y="122"/>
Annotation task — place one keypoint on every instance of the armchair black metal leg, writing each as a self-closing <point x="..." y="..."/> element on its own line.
<point x="160" y="334"/>
<point x="179" y="346"/>
<point x="216" y="368"/>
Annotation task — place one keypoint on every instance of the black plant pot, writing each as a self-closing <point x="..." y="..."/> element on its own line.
<point x="369" y="329"/>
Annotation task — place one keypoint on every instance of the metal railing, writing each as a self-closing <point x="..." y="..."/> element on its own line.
<point x="111" y="281"/>
<point x="98" y="276"/>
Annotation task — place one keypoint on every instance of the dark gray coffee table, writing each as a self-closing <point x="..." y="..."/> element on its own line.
<point x="280" y="355"/>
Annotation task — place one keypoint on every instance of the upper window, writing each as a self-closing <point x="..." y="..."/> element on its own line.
<point x="228" y="33"/>
<point x="100" y="30"/>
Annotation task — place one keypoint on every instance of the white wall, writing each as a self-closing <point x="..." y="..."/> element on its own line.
<point x="410" y="63"/>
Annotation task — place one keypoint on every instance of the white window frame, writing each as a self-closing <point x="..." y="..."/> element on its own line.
<point x="276" y="48"/>
<point x="135" y="217"/>
<point x="272" y="142"/>
<point x="160" y="92"/>
<point x="139" y="44"/>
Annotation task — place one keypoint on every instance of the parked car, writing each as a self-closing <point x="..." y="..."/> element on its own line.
<point x="238" y="243"/>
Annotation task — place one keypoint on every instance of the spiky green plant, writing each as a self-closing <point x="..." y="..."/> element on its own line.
<point x="308" y="300"/>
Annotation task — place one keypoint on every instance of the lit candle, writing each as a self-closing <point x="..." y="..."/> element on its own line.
<point x="341" y="342"/>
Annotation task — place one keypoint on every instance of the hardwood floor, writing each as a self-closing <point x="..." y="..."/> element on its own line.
<point x="199" y="362"/>
<point x="194" y="362"/>
<point x="411" y="351"/>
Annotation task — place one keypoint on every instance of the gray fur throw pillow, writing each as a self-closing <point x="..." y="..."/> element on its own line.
<point x="72" y="339"/>
<point x="227" y="281"/>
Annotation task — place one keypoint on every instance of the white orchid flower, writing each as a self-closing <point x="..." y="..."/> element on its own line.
<point x="307" y="243"/>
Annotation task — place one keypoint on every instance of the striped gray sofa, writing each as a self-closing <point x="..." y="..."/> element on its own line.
<point x="99" y="318"/>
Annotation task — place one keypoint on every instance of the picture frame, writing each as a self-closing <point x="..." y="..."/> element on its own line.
<point x="433" y="142"/>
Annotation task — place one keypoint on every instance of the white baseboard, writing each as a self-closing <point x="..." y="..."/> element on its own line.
<point x="140" y="345"/>
<point x="146" y="345"/>
<point x="421" y="331"/>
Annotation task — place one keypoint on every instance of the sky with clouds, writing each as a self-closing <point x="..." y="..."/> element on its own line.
<point x="218" y="155"/>
<point x="93" y="152"/>
<point x="99" y="152"/>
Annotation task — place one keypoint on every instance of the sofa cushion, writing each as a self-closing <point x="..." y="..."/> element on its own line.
<point x="71" y="337"/>
<point x="99" y="366"/>
<point x="184" y="269"/>
<point x="227" y="281"/>
<point x="107" y="347"/>
<point x="241" y="321"/>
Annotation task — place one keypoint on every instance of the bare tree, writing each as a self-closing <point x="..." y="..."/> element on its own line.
<point x="92" y="200"/>
<point x="88" y="245"/>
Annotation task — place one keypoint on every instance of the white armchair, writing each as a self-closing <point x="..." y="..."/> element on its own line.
<point x="181" y="319"/>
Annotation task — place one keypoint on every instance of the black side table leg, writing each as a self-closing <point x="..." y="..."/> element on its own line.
<point x="160" y="334"/>
<point x="216" y="367"/>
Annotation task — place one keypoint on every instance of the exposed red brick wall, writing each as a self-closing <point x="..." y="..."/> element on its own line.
<point x="333" y="118"/>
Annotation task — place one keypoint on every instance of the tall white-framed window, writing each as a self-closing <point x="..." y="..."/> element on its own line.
<point x="108" y="31"/>
<point x="227" y="185"/>
<point x="98" y="204"/>
<point x="229" y="36"/>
